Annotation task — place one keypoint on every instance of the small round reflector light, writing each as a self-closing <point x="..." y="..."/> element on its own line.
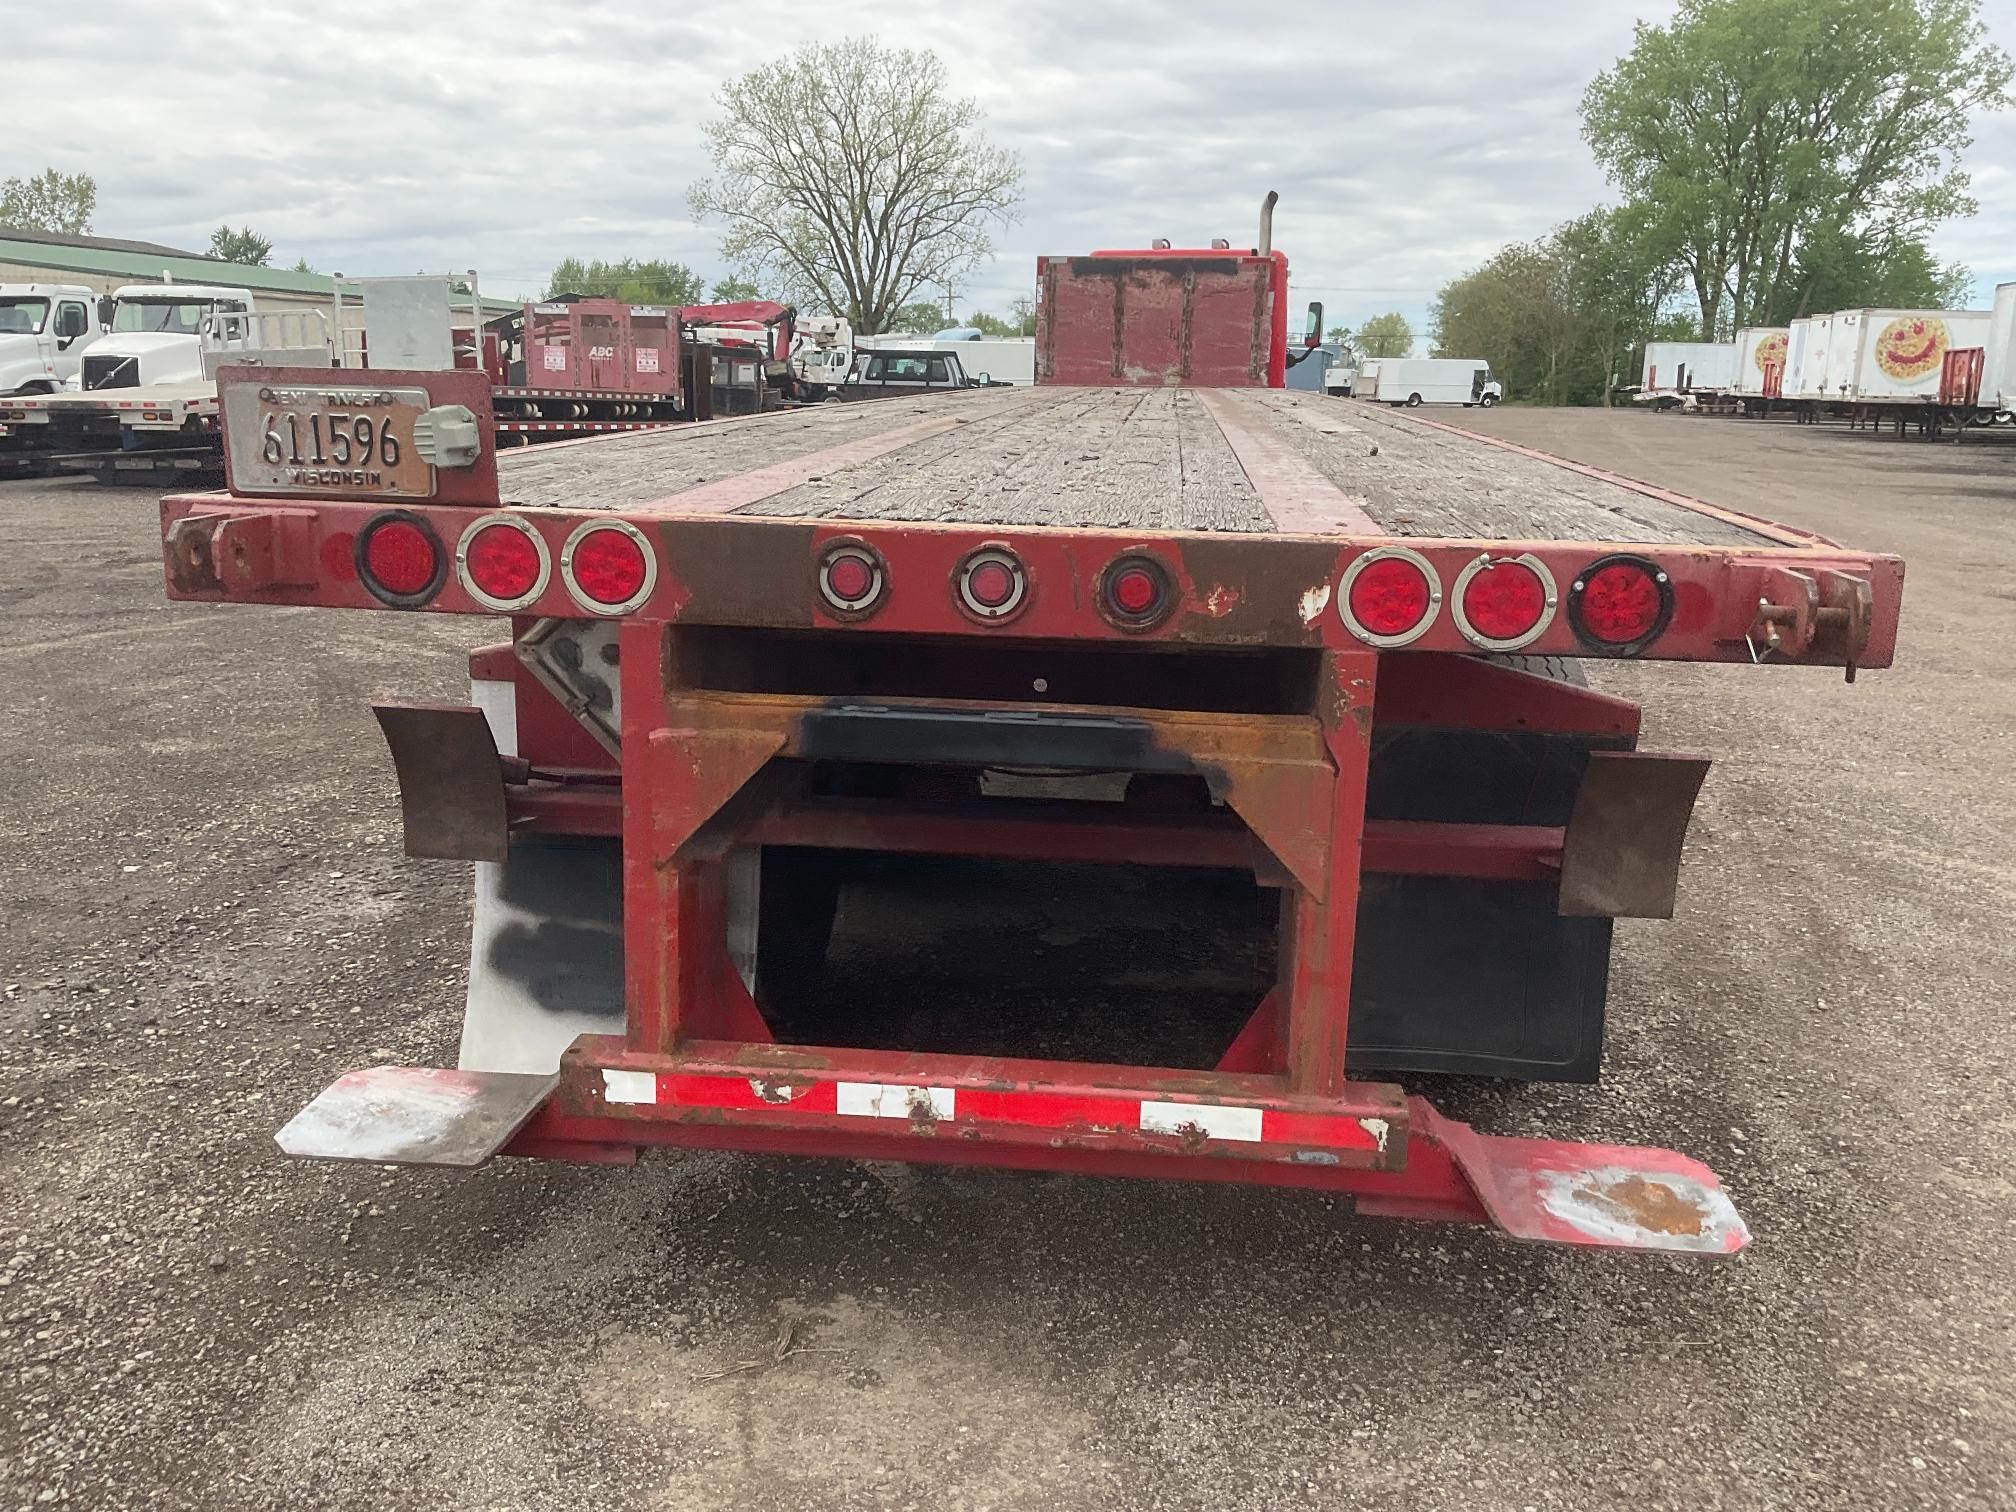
<point x="400" y="560"/>
<point x="1389" y="597"/>
<point x="1506" y="602"/>
<point x="1619" y="604"/>
<point x="609" y="566"/>
<point x="992" y="584"/>
<point x="851" y="579"/>
<point x="503" y="562"/>
<point x="1135" y="592"/>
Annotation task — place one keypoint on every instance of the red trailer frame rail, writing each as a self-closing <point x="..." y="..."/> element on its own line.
<point x="757" y="604"/>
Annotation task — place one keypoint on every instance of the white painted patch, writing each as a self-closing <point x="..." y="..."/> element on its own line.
<point x="1212" y="1119"/>
<point x="1314" y="602"/>
<point x="1378" y="1128"/>
<point x="775" y="1092"/>
<point x="890" y="1100"/>
<point x="1592" y="1201"/>
<point x="629" y="1087"/>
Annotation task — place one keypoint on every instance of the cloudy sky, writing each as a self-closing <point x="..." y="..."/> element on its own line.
<point x="1408" y="140"/>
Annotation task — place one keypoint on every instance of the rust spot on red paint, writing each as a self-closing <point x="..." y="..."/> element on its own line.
<point x="1221" y="601"/>
<point x="1652" y="1205"/>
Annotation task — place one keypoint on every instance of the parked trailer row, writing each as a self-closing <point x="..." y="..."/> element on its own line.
<point x="742" y="657"/>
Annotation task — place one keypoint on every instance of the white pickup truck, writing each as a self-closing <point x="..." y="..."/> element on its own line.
<point x="44" y="331"/>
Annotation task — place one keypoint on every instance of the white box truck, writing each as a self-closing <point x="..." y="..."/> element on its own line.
<point x="1896" y="356"/>
<point x="45" y="330"/>
<point x="1433" y="380"/>
<point x="1759" y="348"/>
<point x="1675" y="369"/>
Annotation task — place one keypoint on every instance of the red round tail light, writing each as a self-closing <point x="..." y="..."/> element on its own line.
<point x="609" y="566"/>
<point x="1135" y="592"/>
<point x="991" y="583"/>
<point x="400" y="560"/>
<point x="1389" y="597"/>
<point x="1506" y="603"/>
<point x="503" y="562"/>
<point x="1619" y="604"/>
<point x="851" y="579"/>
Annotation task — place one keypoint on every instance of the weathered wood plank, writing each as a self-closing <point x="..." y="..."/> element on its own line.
<point x="1418" y="481"/>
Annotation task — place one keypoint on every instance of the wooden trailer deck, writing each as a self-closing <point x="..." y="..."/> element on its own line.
<point x="1240" y="461"/>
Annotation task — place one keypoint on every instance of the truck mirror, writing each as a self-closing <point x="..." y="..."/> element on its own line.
<point x="105" y="307"/>
<point x="1313" y="337"/>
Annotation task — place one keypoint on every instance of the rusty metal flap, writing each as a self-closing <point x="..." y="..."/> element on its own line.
<point x="415" y="1115"/>
<point x="451" y="787"/>
<point x="1620" y="858"/>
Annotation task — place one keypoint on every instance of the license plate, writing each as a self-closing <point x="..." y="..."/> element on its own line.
<point x="326" y="440"/>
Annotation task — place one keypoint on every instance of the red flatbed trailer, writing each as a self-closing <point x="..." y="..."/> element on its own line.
<point x="1299" y="634"/>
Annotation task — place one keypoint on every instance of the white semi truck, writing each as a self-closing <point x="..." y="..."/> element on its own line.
<point x="45" y="329"/>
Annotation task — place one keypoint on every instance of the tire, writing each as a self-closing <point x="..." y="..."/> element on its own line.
<point x="1413" y="401"/>
<point x="1488" y="400"/>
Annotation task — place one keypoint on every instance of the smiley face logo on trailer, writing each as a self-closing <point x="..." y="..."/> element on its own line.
<point x="1770" y="350"/>
<point x="1911" y="347"/>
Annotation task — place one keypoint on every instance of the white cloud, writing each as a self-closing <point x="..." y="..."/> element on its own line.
<point x="1408" y="141"/>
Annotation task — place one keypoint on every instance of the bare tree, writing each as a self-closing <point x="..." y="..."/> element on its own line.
<point x="847" y="178"/>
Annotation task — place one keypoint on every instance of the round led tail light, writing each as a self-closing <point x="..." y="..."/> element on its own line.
<point x="1135" y="592"/>
<point x="991" y="583"/>
<point x="1389" y="597"/>
<point x="503" y="562"/>
<point x="1504" y="603"/>
<point x="1619" y="604"/>
<point x="400" y="560"/>
<point x="851" y="579"/>
<point x="608" y="566"/>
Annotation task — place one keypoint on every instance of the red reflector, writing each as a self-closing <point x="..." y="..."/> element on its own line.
<point x="1135" y="590"/>
<point x="1620" y="603"/>
<point x="850" y="577"/>
<point x="991" y="584"/>
<point x="503" y="561"/>
<point x="1504" y="601"/>
<point x="609" y="567"/>
<point x="1389" y="596"/>
<point x="401" y="558"/>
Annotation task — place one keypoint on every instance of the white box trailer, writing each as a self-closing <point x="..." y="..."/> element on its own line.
<point x="1433" y="380"/>
<point x="1008" y="359"/>
<point x="1896" y="356"/>
<point x="1806" y="369"/>
<point x="1686" y="367"/>
<point x="1998" y="375"/>
<point x="1758" y="348"/>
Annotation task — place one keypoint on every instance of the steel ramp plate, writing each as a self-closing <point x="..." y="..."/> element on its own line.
<point x="1613" y="1196"/>
<point x="415" y="1115"/>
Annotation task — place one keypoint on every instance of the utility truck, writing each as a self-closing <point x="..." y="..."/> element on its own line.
<point x="45" y="330"/>
<point x="1150" y="613"/>
<point x="1414" y="381"/>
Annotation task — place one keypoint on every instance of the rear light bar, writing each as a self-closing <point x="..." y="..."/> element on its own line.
<point x="1620" y="604"/>
<point x="852" y="579"/>
<point x="1136" y="592"/>
<point x="1389" y="597"/>
<point x="991" y="584"/>
<point x="1504" y="603"/>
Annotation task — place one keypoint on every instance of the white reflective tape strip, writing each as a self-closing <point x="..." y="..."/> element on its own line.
<point x="629" y="1087"/>
<point x="888" y="1100"/>
<point x="1214" y="1119"/>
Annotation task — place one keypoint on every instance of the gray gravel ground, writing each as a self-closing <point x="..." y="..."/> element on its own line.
<point x="206" y="917"/>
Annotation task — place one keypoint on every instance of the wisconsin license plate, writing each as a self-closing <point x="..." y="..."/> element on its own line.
<point x="348" y="440"/>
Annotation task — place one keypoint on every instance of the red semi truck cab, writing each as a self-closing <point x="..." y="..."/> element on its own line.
<point x="1152" y="612"/>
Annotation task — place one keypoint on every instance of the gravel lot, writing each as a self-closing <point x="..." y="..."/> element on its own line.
<point x="207" y="917"/>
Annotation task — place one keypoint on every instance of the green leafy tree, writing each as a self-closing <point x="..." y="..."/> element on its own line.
<point x="1845" y="271"/>
<point x="1387" y="335"/>
<point x="1023" y="314"/>
<point x="241" y="246"/>
<point x="922" y="316"/>
<point x="301" y="266"/>
<point x="994" y="327"/>
<point x="62" y="203"/>
<point x="847" y="175"/>
<point x="1340" y="335"/>
<point x="733" y="291"/>
<point x="640" y="282"/>
<point x="1749" y="129"/>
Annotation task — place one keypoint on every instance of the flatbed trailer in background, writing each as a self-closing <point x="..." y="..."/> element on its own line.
<point x="1151" y="612"/>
